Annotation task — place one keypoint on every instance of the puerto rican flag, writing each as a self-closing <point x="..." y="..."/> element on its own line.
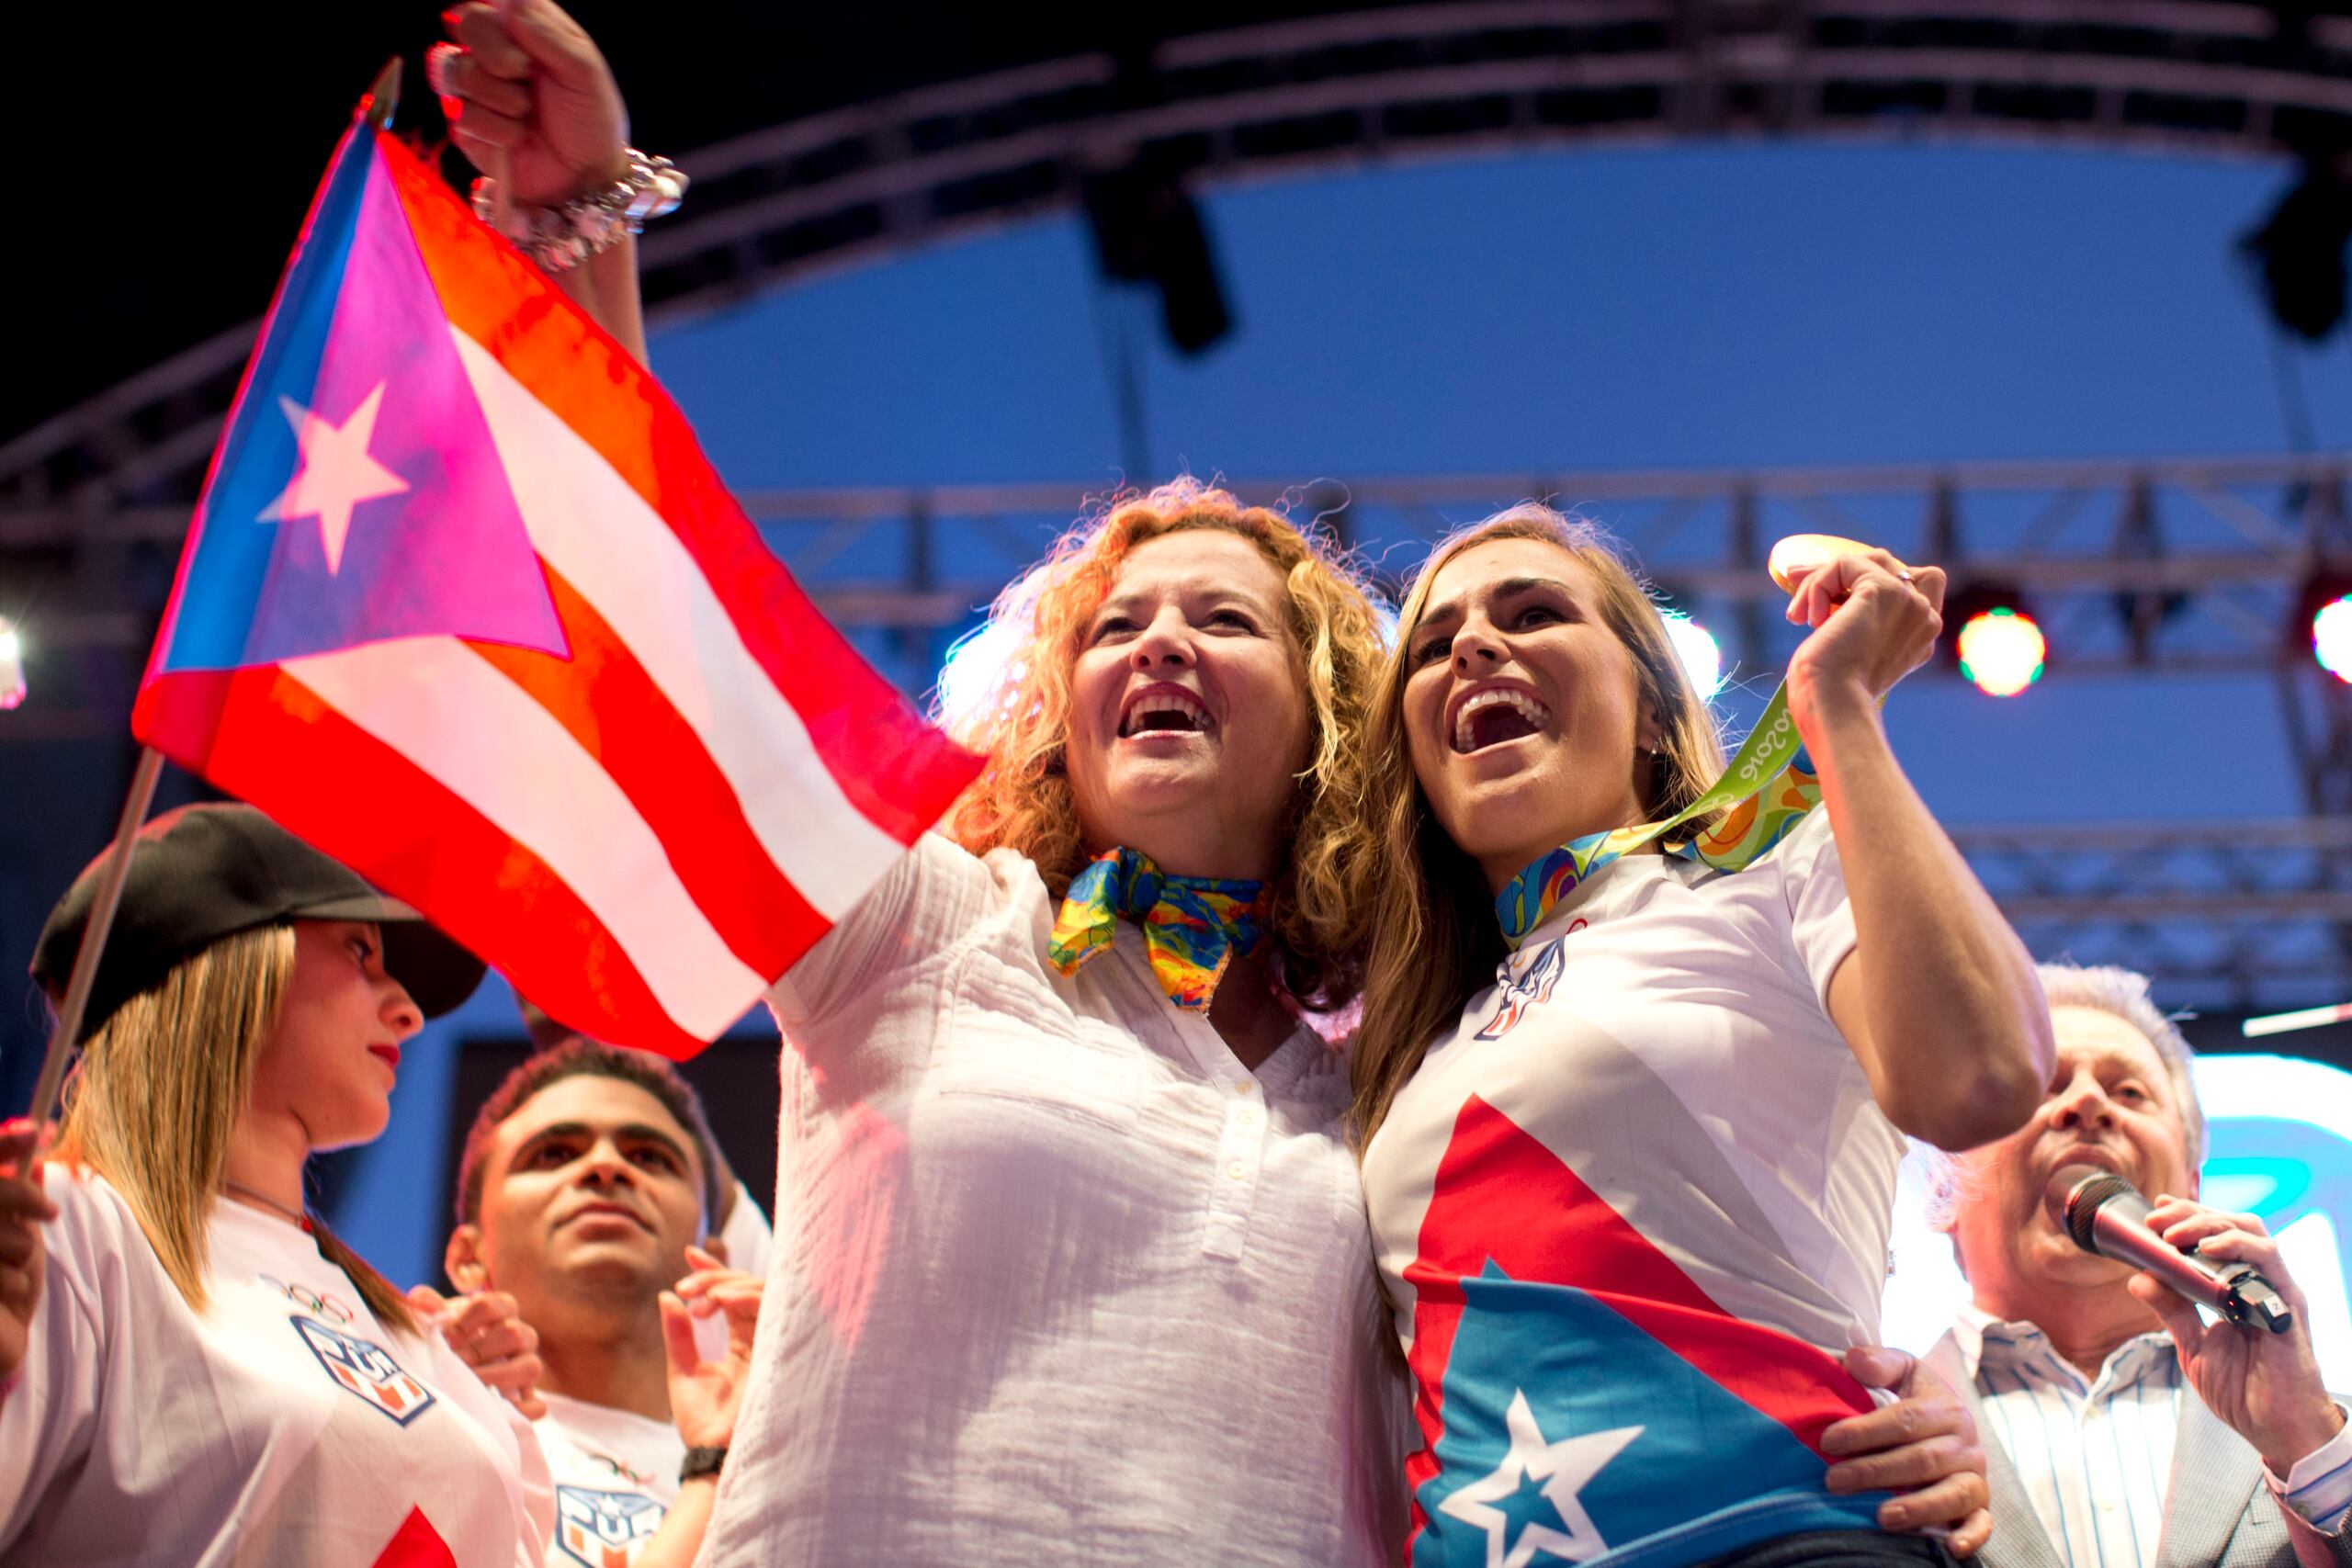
<point x="465" y="606"/>
<point x="1580" y="1399"/>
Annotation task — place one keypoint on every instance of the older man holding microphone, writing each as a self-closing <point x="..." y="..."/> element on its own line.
<point x="2125" y="1430"/>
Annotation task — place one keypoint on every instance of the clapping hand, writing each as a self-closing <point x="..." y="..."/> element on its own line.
<point x="24" y="1207"/>
<point x="487" y="1331"/>
<point x="704" y="1395"/>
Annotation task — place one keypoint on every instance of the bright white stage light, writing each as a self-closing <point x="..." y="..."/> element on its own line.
<point x="2002" y="652"/>
<point x="2331" y="637"/>
<point x="12" y="665"/>
<point x="1703" y="661"/>
<point x="967" y="680"/>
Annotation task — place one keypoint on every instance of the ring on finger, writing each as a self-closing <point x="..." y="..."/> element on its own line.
<point x="1904" y="575"/>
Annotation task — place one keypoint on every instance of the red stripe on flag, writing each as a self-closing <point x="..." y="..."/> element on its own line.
<point x="899" y="771"/>
<point x="264" y="738"/>
<point x="607" y="700"/>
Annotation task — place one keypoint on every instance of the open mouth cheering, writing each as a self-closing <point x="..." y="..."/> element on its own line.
<point x="1164" y="709"/>
<point x="1493" y="715"/>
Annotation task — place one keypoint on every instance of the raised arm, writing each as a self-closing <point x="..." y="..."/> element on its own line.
<point x="520" y="80"/>
<point x="1939" y="999"/>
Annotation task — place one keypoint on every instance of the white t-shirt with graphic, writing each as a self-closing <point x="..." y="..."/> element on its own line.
<point x="1629" y="1215"/>
<point x="616" y="1475"/>
<point x="283" y="1425"/>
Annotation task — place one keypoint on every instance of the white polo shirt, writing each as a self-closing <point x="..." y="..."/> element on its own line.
<point x="284" y="1425"/>
<point x="1056" y="1279"/>
<point x="1630" y="1213"/>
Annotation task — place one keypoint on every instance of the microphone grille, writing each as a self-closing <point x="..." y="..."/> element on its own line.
<point x="2084" y="1203"/>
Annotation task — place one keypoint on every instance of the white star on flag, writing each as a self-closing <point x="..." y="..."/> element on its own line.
<point x="1563" y="1467"/>
<point x="336" y="474"/>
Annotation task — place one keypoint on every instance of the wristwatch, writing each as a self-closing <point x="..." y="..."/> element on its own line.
<point x="700" y="1462"/>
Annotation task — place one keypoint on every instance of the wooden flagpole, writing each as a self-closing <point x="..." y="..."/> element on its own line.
<point x="115" y="871"/>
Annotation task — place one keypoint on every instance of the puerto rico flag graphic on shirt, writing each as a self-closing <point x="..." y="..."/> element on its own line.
<point x="366" y="1370"/>
<point x="604" y="1529"/>
<point x="1580" y="1399"/>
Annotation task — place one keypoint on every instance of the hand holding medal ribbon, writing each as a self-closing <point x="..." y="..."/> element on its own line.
<point x="1766" y="790"/>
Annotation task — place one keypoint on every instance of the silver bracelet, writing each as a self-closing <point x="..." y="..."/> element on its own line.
<point x="560" y="238"/>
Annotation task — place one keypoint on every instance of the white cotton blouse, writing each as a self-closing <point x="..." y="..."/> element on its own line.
<point x="1056" y="1279"/>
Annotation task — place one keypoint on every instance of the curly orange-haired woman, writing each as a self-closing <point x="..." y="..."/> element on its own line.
<point x="1071" y="1262"/>
<point x="1065" y="1188"/>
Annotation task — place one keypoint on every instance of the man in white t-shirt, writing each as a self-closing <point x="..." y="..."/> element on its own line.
<point x="586" y="1181"/>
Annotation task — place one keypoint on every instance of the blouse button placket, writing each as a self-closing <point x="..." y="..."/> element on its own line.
<point x="1240" y="1157"/>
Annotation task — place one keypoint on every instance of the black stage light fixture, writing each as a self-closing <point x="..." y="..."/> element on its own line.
<point x="1147" y="230"/>
<point x="2298" y="252"/>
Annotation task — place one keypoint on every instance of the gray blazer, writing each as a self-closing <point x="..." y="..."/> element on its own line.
<point x="2217" y="1510"/>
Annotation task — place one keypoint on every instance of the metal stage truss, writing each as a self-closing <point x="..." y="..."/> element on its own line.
<point x="2223" y="916"/>
<point x="1353" y="88"/>
<point x="2180" y="565"/>
<point x="2191" y="566"/>
<point x="2164" y="566"/>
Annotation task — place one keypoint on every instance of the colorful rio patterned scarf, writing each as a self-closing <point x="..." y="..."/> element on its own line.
<point x="1769" y="785"/>
<point x="1192" y="925"/>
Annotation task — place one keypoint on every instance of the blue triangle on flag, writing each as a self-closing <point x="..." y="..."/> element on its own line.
<point x="358" y="495"/>
<point x="1707" y="1474"/>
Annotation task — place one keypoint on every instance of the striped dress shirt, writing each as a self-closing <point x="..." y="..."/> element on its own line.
<point x="2095" y="1454"/>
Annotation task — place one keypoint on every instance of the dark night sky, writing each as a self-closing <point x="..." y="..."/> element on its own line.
<point x="163" y="155"/>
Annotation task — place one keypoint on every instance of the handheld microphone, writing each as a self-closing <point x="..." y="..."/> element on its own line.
<point x="2106" y="1214"/>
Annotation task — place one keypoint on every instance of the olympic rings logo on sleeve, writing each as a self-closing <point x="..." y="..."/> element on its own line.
<point x="327" y="1306"/>
<point x="620" y="1470"/>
